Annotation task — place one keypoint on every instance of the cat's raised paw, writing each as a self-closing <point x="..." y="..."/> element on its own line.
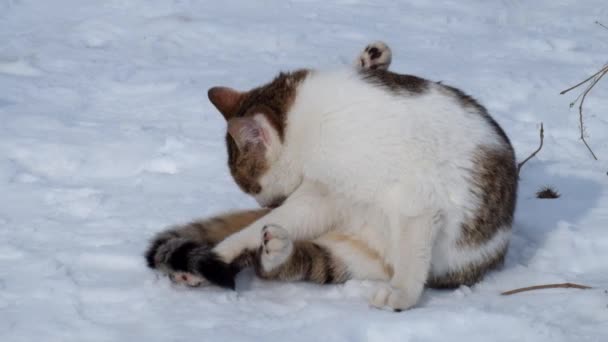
<point x="376" y="55"/>
<point x="276" y="247"/>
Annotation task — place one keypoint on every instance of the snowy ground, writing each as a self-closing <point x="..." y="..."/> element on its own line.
<point x="106" y="136"/>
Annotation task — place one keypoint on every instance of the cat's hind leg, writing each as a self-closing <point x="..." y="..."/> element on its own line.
<point x="179" y="250"/>
<point x="332" y="258"/>
<point x="376" y="55"/>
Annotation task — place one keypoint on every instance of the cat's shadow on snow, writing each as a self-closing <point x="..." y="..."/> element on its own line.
<point x="537" y="219"/>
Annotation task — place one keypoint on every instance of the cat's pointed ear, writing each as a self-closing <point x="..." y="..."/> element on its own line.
<point x="246" y="131"/>
<point x="226" y="100"/>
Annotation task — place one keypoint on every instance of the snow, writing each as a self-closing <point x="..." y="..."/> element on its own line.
<point x="106" y="136"/>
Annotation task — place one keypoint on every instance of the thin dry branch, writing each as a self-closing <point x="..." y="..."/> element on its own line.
<point x="542" y="138"/>
<point x="583" y="82"/>
<point x="593" y="79"/>
<point x="602" y="25"/>
<point x="548" y="286"/>
<point x="580" y="109"/>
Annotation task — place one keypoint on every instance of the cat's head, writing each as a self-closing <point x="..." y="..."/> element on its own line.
<point x="255" y="137"/>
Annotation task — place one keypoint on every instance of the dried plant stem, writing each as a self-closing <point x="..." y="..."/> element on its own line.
<point x="593" y="79"/>
<point x="580" y="109"/>
<point x="602" y="25"/>
<point x="584" y="81"/>
<point x="542" y="138"/>
<point x="548" y="286"/>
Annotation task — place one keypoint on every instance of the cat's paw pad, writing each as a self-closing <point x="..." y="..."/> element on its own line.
<point x="185" y="278"/>
<point x="376" y="55"/>
<point x="276" y="247"/>
<point x="388" y="297"/>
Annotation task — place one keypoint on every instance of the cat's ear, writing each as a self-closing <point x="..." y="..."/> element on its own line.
<point x="226" y="100"/>
<point x="246" y="130"/>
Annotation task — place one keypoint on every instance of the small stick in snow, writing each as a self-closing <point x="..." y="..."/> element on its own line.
<point x="548" y="286"/>
<point x="602" y="25"/>
<point x="542" y="138"/>
<point x="593" y="79"/>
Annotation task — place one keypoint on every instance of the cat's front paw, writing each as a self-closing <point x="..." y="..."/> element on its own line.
<point x="376" y="55"/>
<point x="276" y="247"/>
<point x="387" y="296"/>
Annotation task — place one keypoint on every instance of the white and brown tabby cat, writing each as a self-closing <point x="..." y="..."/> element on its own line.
<point x="370" y="174"/>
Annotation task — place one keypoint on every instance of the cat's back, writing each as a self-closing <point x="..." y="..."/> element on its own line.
<point x="375" y="133"/>
<point x="376" y="118"/>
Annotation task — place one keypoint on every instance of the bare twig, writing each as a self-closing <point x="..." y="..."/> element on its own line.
<point x="602" y="25"/>
<point x="593" y="79"/>
<point x="580" y="109"/>
<point x="542" y="138"/>
<point x="585" y="81"/>
<point x="548" y="286"/>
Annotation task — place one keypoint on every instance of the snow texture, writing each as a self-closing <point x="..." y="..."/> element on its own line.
<point x="106" y="137"/>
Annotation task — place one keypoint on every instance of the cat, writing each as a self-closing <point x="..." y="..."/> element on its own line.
<point x="361" y="173"/>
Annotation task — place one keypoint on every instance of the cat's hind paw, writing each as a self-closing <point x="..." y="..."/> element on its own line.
<point x="376" y="55"/>
<point x="276" y="247"/>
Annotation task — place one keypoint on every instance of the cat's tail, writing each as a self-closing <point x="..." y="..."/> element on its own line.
<point x="376" y="55"/>
<point x="185" y="252"/>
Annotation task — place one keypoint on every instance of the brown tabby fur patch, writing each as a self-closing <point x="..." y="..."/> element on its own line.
<point x="309" y="261"/>
<point x="216" y="229"/>
<point x="272" y="100"/>
<point x="246" y="166"/>
<point x="395" y="82"/>
<point x="495" y="186"/>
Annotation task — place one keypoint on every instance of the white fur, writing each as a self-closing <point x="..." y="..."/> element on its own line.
<point x="389" y="168"/>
